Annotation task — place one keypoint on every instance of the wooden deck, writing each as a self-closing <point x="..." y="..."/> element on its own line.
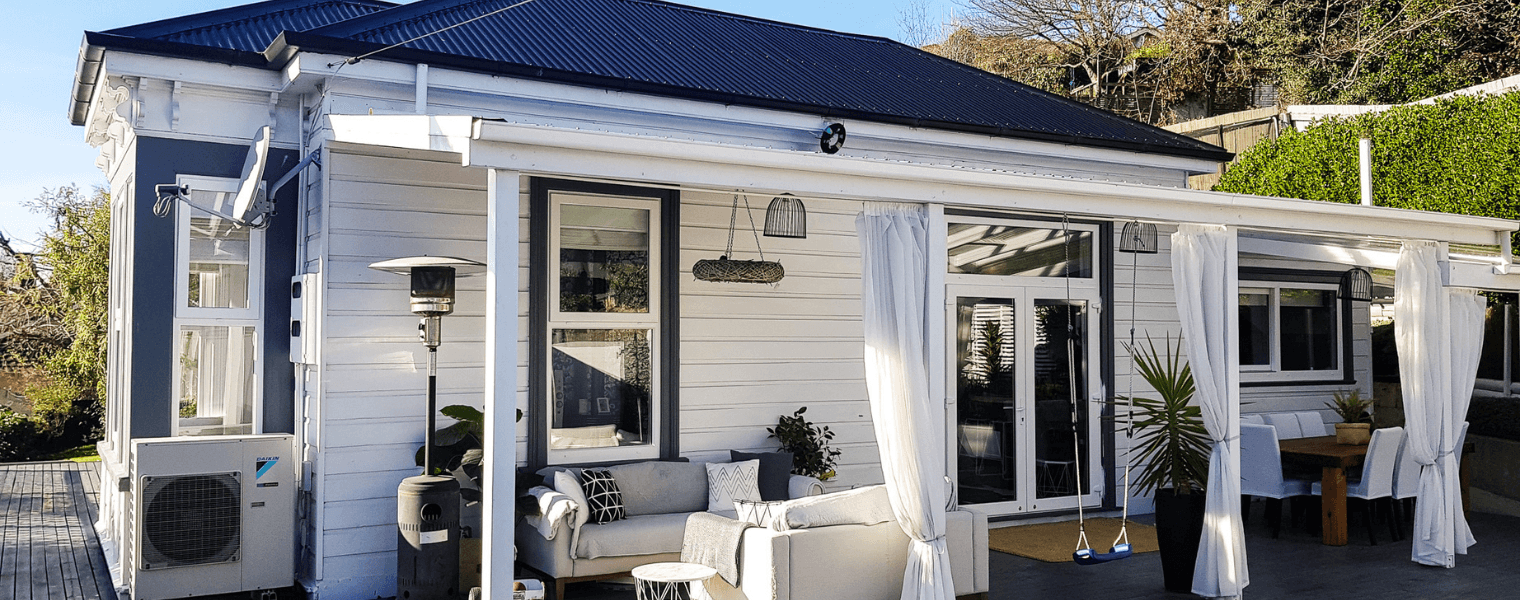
<point x="48" y="547"/>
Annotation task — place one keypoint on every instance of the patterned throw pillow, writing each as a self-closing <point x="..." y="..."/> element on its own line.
<point x="727" y="482"/>
<point x="759" y="514"/>
<point x="603" y="496"/>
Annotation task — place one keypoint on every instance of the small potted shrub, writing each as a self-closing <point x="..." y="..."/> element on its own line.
<point x="809" y="445"/>
<point x="1356" y="428"/>
<point x="1170" y="450"/>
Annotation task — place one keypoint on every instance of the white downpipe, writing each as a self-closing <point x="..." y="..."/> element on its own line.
<point x="1364" y="148"/>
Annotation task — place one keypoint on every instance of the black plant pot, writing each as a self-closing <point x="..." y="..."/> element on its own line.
<point x="1179" y="525"/>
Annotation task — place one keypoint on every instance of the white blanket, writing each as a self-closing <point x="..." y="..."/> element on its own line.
<point x="553" y="508"/>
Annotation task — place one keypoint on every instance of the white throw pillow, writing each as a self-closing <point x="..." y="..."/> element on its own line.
<point x="727" y="482"/>
<point x="566" y="484"/>
<point x="760" y="514"/>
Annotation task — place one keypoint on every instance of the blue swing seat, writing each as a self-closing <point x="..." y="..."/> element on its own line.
<point x="1086" y="556"/>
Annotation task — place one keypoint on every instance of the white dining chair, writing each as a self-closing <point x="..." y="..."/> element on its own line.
<point x="1286" y="425"/>
<point x="1261" y="472"/>
<point x="1312" y="424"/>
<point x="1376" y="482"/>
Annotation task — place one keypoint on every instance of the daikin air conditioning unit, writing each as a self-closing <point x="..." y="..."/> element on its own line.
<point x="211" y="515"/>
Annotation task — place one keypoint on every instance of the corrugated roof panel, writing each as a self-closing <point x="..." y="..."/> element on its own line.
<point x="252" y="27"/>
<point x="691" y="52"/>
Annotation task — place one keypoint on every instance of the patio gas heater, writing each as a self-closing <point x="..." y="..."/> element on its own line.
<point x="427" y="505"/>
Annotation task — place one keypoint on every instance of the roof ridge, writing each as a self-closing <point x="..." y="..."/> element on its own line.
<point x="416" y="12"/>
<point x="231" y="15"/>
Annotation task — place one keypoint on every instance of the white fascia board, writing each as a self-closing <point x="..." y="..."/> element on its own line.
<point x="306" y="70"/>
<point x="200" y="72"/>
<point x="416" y="132"/>
<point x="599" y="155"/>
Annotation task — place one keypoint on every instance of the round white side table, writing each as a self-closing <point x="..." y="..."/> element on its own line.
<point x="663" y="581"/>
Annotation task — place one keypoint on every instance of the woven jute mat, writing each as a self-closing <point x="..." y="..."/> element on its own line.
<point x="1054" y="542"/>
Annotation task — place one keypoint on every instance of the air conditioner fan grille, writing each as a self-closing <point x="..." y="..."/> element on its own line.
<point x="191" y="520"/>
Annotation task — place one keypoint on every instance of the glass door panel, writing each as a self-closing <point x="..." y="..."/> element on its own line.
<point x="1061" y="399"/>
<point x="988" y="418"/>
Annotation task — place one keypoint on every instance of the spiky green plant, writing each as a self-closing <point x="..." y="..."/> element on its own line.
<point x="1170" y="444"/>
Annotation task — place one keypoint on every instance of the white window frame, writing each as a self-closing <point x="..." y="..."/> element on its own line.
<point x="1273" y="372"/>
<point x="650" y="321"/>
<point x="182" y="214"/>
<point x="188" y="316"/>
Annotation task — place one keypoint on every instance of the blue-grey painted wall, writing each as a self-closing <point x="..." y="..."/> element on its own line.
<point x="160" y="161"/>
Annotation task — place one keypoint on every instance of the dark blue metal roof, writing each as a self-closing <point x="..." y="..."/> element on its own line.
<point x="252" y="27"/>
<point x="668" y="49"/>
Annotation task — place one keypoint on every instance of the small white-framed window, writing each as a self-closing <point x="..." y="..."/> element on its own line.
<point x="217" y="316"/>
<point x="1290" y="331"/>
<point x="603" y="328"/>
<point x="1014" y="248"/>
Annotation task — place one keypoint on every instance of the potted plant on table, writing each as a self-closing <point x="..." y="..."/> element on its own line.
<point x="1356" y="428"/>
<point x="1170" y="445"/>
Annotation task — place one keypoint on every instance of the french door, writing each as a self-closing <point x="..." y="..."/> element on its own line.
<point x="1024" y="378"/>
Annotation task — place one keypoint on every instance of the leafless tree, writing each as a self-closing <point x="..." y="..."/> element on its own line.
<point x="1096" y="34"/>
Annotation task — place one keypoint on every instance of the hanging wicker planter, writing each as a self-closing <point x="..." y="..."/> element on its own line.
<point x="738" y="271"/>
<point x="725" y="270"/>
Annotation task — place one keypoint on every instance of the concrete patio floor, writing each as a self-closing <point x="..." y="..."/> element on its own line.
<point x="48" y="550"/>
<point x="1293" y="566"/>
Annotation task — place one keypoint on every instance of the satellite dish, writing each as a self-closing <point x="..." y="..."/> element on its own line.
<point x="251" y="201"/>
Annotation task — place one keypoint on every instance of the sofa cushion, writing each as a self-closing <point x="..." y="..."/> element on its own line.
<point x="862" y="506"/>
<point x="602" y="495"/>
<point x="652" y="488"/>
<point x="566" y="484"/>
<point x="775" y="472"/>
<point x="727" y="482"/>
<point x="633" y="536"/>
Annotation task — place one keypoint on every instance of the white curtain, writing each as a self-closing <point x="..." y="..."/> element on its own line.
<point x="910" y="432"/>
<point x="1203" y="273"/>
<point x="1439" y="333"/>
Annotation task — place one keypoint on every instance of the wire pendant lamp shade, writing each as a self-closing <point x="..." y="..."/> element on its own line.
<point x="1138" y="238"/>
<point x="786" y="217"/>
<point x="727" y="270"/>
<point x="1356" y="285"/>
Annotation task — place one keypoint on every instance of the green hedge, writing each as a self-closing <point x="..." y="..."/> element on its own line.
<point x="1457" y="156"/>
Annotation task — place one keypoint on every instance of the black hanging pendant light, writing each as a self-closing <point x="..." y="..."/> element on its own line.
<point x="1356" y="285"/>
<point x="1138" y="238"/>
<point x="786" y="217"/>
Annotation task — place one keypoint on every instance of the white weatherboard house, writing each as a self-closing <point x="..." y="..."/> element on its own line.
<point x="590" y="152"/>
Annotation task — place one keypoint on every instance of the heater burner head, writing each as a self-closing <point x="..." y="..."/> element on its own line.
<point x="432" y="280"/>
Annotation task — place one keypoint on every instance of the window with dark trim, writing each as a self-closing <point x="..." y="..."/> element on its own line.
<point x="603" y="339"/>
<point x="1294" y="330"/>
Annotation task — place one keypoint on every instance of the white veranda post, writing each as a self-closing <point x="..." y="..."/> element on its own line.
<point x="498" y="555"/>
<point x="1439" y="334"/>
<point x="894" y="249"/>
<point x="1204" y="273"/>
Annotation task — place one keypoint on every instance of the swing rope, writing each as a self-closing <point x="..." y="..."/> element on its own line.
<point x="1121" y="548"/>
<point x="1083" y="547"/>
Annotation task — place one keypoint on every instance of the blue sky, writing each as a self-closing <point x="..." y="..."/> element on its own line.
<point x="39" y="149"/>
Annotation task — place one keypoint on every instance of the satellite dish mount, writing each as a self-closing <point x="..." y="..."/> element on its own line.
<point x="251" y="204"/>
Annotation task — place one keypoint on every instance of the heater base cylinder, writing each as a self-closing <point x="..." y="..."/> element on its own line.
<point x="427" y="543"/>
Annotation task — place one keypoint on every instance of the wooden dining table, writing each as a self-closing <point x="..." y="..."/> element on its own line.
<point x="1332" y="459"/>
